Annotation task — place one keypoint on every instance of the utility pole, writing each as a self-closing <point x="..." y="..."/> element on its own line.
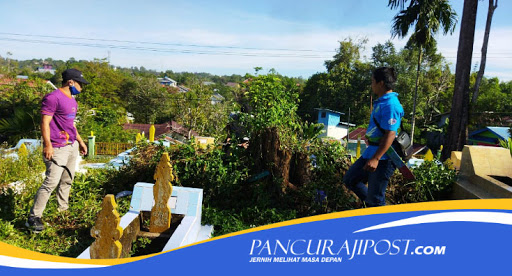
<point x="348" y="126"/>
<point x="9" y="62"/>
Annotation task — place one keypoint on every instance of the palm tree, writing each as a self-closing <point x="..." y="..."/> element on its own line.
<point x="459" y="115"/>
<point x="427" y="16"/>
<point x="493" y="4"/>
<point x="23" y="124"/>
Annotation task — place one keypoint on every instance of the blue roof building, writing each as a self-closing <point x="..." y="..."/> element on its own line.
<point x="489" y="136"/>
<point x="166" y="81"/>
<point x="333" y="127"/>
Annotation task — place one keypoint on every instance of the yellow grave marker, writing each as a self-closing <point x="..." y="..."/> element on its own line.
<point x="138" y="137"/>
<point x="107" y="231"/>
<point x="161" y="213"/>
<point x="152" y="134"/>
<point x="23" y="151"/>
<point x="429" y="156"/>
<point x="358" y="149"/>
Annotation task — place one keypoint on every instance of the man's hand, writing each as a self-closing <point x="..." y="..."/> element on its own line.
<point x="371" y="165"/>
<point x="48" y="151"/>
<point x="83" y="148"/>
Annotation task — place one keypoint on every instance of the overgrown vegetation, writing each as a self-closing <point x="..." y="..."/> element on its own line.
<point x="67" y="233"/>
<point x="433" y="182"/>
<point x="286" y="172"/>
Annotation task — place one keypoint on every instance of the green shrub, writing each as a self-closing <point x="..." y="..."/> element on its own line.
<point x="24" y="167"/>
<point x="327" y="192"/>
<point x="231" y="202"/>
<point x="507" y="144"/>
<point x="434" y="181"/>
<point x="67" y="233"/>
<point x="227" y="221"/>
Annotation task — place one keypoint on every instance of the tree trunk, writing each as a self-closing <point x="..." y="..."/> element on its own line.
<point x="276" y="159"/>
<point x="300" y="169"/>
<point x="493" y="4"/>
<point x="413" y="121"/>
<point x="265" y="150"/>
<point x="459" y="115"/>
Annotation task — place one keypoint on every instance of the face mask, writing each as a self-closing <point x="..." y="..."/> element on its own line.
<point x="73" y="90"/>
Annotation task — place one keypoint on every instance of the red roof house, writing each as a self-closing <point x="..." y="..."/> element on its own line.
<point x="161" y="129"/>
<point x="358" y="132"/>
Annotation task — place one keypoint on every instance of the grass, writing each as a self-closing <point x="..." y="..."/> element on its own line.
<point x="67" y="233"/>
<point x="98" y="159"/>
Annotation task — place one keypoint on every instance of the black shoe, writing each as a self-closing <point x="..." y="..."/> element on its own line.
<point x="35" y="224"/>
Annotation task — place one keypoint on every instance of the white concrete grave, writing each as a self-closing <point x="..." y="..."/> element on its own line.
<point x="161" y="201"/>
<point x="184" y="201"/>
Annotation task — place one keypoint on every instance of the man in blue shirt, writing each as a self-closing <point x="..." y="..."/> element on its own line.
<point x="374" y="165"/>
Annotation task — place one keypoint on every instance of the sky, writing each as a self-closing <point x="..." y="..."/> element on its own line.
<point x="224" y="37"/>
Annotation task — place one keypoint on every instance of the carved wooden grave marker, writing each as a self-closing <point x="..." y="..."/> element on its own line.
<point x="115" y="236"/>
<point x="107" y="231"/>
<point x="161" y="213"/>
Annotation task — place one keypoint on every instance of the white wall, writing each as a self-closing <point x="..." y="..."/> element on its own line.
<point x="337" y="132"/>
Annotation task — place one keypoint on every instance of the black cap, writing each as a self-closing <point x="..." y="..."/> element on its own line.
<point x="73" y="74"/>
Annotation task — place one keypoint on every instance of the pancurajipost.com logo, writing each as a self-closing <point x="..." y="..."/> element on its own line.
<point x="328" y="250"/>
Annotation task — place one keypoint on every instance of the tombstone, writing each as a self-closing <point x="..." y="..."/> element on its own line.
<point x="455" y="158"/>
<point x="29" y="145"/>
<point x="204" y="142"/>
<point x="485" y="172"/>
<point x="185" y="202"/>
<point x="161" y="212"/>
<point x="107" y="231"/>
<point x="429" y="156"/>
<point x="152" y="133"/>
<point x="23" y="151"/>
<point x="156" y="202"/>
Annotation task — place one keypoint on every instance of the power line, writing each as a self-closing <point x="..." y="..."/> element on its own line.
<point x="162" y="50"/>
<point x="183" y="51"/>
<point x="167" y="44"/>
<point x="479" y="57"/>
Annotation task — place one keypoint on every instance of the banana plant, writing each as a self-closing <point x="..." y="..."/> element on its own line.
<point x="507" y="144"/>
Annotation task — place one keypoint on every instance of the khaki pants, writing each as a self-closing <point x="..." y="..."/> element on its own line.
<point x="56" y="177"/>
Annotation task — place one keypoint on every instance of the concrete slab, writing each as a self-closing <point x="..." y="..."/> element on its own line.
<point x="482" y="170"/>
<point x="184" y="201"/>
<point x="455" y="157"/>
<point x="482" y="160"/>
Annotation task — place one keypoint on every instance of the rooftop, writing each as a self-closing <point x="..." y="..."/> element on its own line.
<point x="503" y="132"/>
<point x="328" y="110"/>
<point x="162" y="128"/>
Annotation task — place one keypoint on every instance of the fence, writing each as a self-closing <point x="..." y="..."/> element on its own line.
<point x="103" y="148"/>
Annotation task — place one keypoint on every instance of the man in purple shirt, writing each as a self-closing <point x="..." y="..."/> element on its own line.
<point x="61" y="143"/>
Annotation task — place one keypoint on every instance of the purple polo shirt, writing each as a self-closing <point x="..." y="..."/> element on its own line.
<point x="63" y="109"/>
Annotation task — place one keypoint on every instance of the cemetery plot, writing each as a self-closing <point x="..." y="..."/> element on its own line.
<point x="150" y="217"/>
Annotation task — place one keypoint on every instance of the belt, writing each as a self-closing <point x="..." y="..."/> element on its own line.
<point x="62" y="166"/>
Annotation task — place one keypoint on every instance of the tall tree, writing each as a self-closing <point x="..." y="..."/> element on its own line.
<point x="427" y="16"/>
<point x="344" y="86"/>
<point x="145" y="98"/>
<point x="459" y="116"/>
<point x="493" y="4"/>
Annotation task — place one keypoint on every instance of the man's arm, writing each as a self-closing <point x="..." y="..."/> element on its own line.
<point x="45" y="131"/>
<point x="83" y="147"/>
<point x="384" y="144"/>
